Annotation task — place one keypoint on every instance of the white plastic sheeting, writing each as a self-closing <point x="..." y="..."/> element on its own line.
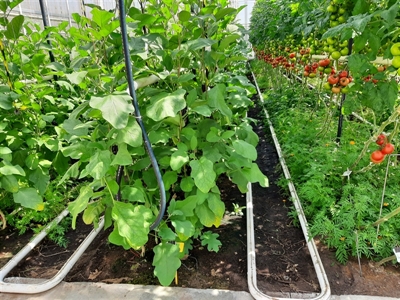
<point x="61" y="10"/>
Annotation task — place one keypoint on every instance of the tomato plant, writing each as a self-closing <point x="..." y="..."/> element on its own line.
<point x="344" y="37"/>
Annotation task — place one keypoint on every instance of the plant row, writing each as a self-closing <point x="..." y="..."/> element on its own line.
<point x="349" y="200"/>
<point x="67" y="123"/>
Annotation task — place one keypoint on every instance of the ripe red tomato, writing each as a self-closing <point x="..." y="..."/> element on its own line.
<point x="324" y="62"/>
<point x="387" y="149"/>
<point x="377" y="157"/>
<point x="343" y="74"/>
<point x="333" y="79"/>
<point x="381" y="139"/>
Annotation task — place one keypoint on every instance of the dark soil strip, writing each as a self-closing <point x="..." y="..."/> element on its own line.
<point x="283" y="261"/>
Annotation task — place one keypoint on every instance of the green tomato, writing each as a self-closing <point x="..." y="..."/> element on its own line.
<point x="331" y="8"/>
<point x="327" y="86"/>
<point x="344" y="51"/>
<point x="336" y="55"/>
<point x="345" y="90"/>
<point x="331" y="40"/>
<point x="395" y="49"/>
<point x="334" y="23"/>
<point x="396" y="61"/>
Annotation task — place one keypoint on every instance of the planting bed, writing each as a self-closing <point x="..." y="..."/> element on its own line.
<point x="283" y="262"/>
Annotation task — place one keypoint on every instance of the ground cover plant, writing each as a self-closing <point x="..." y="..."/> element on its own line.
<point x="68" y="125"/>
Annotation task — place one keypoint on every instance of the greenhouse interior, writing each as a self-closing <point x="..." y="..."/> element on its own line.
<point x="214" y="149"/>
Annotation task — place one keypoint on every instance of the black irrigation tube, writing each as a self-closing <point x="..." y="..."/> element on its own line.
<point x="340" y="121"/>
<point x="132" y="92"/>
<point x="46" y="24"/>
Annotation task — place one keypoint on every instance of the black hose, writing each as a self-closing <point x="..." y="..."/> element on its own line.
<point x="46" y="24"/>
<point x="341" y="116"/>
<point x="135" y="104"/>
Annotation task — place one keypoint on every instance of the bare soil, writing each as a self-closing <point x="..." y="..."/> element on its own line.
<point x="283" y="260"/>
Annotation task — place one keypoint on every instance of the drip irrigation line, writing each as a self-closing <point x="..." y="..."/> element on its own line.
<point x="132" y="92"/>
<point x="46" y="24"/>
<point x="340" y="121"/>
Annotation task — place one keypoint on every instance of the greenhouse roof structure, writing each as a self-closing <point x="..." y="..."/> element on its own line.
<point x="59" y="11"/>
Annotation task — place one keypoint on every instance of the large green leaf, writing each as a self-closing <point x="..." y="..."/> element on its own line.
<point x="166" y="105"/>
<point x="77" y="206"/>
<point x="73" y="127"/>
<point x="9" y="183"/>
<point x="183" y="228"/>
<point x="131" y="134"/>
<point x="166" y="261"/>
<point x="14" y="27"/>
<point x="116" y="239"/>
<point x="123" y="156"/>
<point x="6" y="102"/>
<point x="206" y="215"/>
<point x="40" y="179"/>
<point x="101" y="17"/>
<point x="115" y="108"/>
<point x="77" y="77"/>
<point x="216" y="99"/>
<point x="99" y="164"/>
<point x="203" y="174"/>
<point x="225" y="42"/>
<point x="133" y="222"/>
<point x="9" y="169"/>
<point x="178" y="159"/>
<point x="29" y="197"/>
<point x="217" y="207"/>
<point x="197" y="44"/>
<point x="255" y="175"/>
<point x="245" y="149"/>
<point x="187" y="206"/>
